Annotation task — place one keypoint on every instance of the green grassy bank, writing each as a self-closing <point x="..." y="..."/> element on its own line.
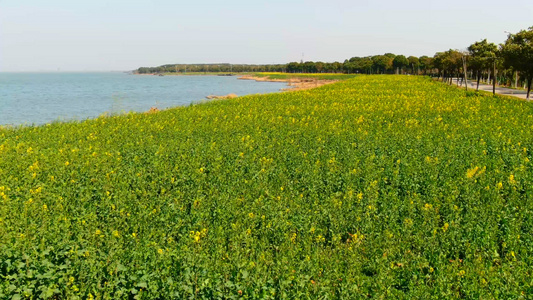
<point x="374" y="187"/>
<point x="319" y="76"/>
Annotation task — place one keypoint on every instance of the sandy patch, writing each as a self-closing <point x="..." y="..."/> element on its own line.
<point x="295" y="84"/>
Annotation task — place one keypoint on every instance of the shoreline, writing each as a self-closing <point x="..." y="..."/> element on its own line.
<point x="295" y="84"/>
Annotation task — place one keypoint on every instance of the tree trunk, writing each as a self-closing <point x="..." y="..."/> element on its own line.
<point x="465" y="72"/>
<point x="494" y="80"/>
<point x="478" y="79"/>
<point x="529" y="86"/>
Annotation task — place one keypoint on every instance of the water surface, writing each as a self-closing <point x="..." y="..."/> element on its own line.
<point x="39" y="98"/>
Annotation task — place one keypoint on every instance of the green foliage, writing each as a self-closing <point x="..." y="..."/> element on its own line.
<point x="382" y="63"/>
<point x="400" y="62"/>
<point x="375" y="187"/>
<point x="449" y="61"/>
<point x="482" y="55"/>
<point x="320" y="76"/>
<point x="191" y="69"/>
<point x="518" y="54"/>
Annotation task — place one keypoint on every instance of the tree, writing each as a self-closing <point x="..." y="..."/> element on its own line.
<point x="359" y="64"/>
<point x="482" y="56"/>
<point x="449" y="63"/>
<point x="400" y="62"/>
<point x="517" y="52"/>
<point x="426" y="63"/>
<point x="294" y="67"/>
<point x="382" y="62"/>
<point x="414" y="63"/>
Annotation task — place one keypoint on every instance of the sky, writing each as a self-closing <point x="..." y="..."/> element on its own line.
<point x="121" y="35"/>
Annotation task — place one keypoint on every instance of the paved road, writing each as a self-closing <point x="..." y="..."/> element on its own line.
<point x="499" y="90"/>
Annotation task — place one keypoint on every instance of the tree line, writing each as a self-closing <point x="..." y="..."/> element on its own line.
<point x="510" y="64"/>
<point x="208" y="68"/>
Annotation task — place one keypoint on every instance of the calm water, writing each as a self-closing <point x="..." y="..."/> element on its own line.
<point x="38" y="98"/>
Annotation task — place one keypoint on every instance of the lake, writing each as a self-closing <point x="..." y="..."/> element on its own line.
<point x="39" y="98"/>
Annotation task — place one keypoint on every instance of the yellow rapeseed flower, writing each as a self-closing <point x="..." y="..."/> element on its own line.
<point x="293" y="237"/>
<point x="471" y="172"/>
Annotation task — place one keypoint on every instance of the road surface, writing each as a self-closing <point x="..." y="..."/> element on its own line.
<point x="488" y="88"/>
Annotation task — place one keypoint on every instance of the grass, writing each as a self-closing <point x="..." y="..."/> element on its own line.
<point x="320" y="76"/>
<point x="199" y="73"/>
<point x="374" y="187"/>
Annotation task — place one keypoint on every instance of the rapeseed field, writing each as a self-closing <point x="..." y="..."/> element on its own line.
<point x="387" y="187"/>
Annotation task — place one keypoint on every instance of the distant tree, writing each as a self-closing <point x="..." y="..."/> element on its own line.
<point x="309" y="67"/>
<point x="517" y="52"/>
<point x="294" y="67"/>
<point x="453" y="62"/>
<point x="482" y="55"/>
<point x="426" y="63"/>
<point x="448" y="63"/>
<point x="400" y="62"/>
<point x="365" y="65"/>
<point x="414" y="63"/>
<point x="336" y="67"/>
<point x="382" y="63"/>
<point x="319" y="66"/>
<point x="359" y="65"/>
<point x="438" y="63"/>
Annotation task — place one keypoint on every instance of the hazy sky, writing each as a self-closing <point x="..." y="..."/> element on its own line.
<point x="38" y="35"/>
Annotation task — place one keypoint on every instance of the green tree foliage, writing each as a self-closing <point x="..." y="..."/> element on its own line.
<point x="400" y="62"/>
<point x="448" y="63"/>
<point x="482" y="55"/>
<point x="426" y="63"/>
<point x="202" y="68"/>
<point x="383" y="63"/>
<point x="414" y="63"/>
<point x="359" y="65"/>
<point x="518" y="53"/>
